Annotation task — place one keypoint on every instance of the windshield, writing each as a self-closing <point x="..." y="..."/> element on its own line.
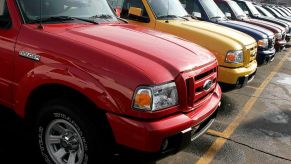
<point x="280" y="11"/>
<point x="98" y="10"/>
<point x="267" y="13"/>
<point x="275" y="12"/>
<point x="253" y="9"/>
<point x="236" y="9"/>
<point x="167" y="8"/>
<point x="212" y="10"/>
<point x="285" y="11"/>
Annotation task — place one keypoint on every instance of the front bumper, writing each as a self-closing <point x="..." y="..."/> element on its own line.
<point x="167" y="133"/>
<point x="280" y="45"/>
<point x="265" y="56"/>
<point x="288" y="37"/>
<point x="233" y="75"/>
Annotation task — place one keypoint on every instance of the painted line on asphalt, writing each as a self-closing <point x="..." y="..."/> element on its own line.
<point x="214" y="132"/>
<point x="252" y="87"/>
<point x="208" y="156"/>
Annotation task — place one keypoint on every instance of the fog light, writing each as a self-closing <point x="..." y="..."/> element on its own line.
<point x="165" y="145"/>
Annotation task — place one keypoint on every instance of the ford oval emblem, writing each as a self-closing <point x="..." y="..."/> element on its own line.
<point x="207" y="85"/>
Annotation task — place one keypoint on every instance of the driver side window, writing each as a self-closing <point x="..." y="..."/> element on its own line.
<point x="193" y="6"/>
<point x="224" y="8"/>
<point x="243" y="6"/>
<point x="5" y="20"/>
<point x="132" y="3"/>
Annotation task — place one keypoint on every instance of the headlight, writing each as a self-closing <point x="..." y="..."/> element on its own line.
<point x="263" y="43"/>
<point x="234" y="57"/>
<point x="278" y="36"/>
<point x="155" y="97"/>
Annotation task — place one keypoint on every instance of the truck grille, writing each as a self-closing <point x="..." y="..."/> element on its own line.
<point x="251" y="53"/>
<point x="271" y="42"/>
<point x="201" y="86"/>
<point x="284" y="36"/>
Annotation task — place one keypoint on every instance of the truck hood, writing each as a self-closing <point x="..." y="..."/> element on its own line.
<point x="284" y="19"/>
<point x="211" y="28"/>
<point x="278" y="21"/>
<point x="142" y="48"/>
<point x="252" y="30"/>
<point x="271" y="26"/>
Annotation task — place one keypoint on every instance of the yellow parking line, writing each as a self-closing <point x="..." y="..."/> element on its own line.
<point x="252" y="87"/>
<point x="214" y="132"/>
<point x="219" y="142"/>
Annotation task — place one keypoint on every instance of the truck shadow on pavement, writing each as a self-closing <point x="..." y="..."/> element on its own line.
<point x="16" y="147"/>
<point x="273" y="125"/>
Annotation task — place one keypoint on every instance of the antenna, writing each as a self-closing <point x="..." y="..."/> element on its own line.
<point x="167" y="21"/>
<point x="40" y="27"/>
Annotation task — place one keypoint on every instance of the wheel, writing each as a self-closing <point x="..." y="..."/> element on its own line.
<point x="68" y="135"/>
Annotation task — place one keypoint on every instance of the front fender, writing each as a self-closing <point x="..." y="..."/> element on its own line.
<point x="71" y="77"/>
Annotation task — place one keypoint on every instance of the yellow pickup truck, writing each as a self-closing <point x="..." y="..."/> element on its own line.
<point x="235" y="51"/>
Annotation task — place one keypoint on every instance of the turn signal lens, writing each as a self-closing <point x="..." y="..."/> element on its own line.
<point x="234" y="57"/>
<point x="157" y="97"/>
<point x="260" y="43"/>
<point x="143" y="99"/>
<point x="230" y="57"/>
<point x="263" y="43"/>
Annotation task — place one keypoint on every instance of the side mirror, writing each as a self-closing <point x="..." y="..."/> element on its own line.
<point x="5" y="23"/>
<point x="135" y="13"/>
<point x="228" y="15"/>
<point x="197" y="14"/>
<point x="247" y="12"/>
<point x="117" y="11"/>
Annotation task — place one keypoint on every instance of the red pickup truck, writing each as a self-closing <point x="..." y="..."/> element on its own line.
<point x="85" y="80"/>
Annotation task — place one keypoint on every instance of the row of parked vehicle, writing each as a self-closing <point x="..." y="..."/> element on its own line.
<point x="86" y="80"/>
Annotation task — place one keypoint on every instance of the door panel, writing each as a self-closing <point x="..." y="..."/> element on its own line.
<point x="8" y="35"/>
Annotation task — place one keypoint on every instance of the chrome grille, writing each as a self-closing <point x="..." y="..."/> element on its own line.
<point x="284" y="36"/>
<point x="271" y="42"/>
<point x="253" y="51"/>
<point x="196" y="90"/>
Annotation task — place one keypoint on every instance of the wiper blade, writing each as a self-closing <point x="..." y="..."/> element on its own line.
<point x="123" y="20"/>
<point x="85" y="20"/>
<point x="215" y="17"/>
<point x="62" y="18"/>
<point x="173" y="16"/>
<point x="102" y="16"/>
<point x="167" y="16"/>
<point x="186" y="17"/>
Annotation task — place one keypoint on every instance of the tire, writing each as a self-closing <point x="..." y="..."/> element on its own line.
<point x="67" y="135"/>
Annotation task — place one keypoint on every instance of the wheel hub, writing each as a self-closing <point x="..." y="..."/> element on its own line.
<point x="69" y="141"/>
<point x="64" y="143"/>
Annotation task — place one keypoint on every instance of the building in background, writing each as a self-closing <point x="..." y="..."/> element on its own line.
<point x="279" y="2"/>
